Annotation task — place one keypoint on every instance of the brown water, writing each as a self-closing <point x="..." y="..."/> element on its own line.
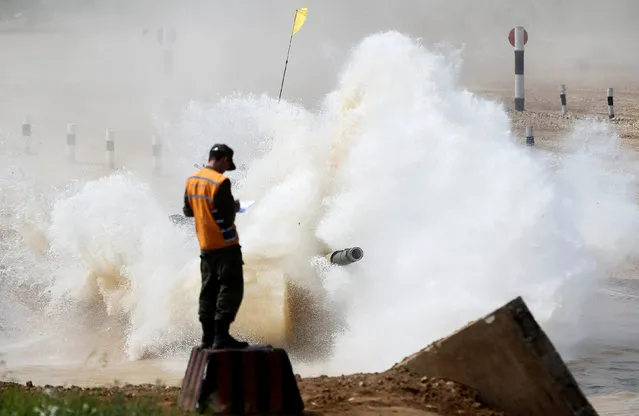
<point x="609" y="359"/>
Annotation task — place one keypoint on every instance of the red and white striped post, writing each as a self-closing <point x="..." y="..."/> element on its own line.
<point x="518" y="37"/>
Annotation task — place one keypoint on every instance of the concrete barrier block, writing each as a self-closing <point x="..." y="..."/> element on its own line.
<point x="256" y="380"/>
<point x="508" y="359"/>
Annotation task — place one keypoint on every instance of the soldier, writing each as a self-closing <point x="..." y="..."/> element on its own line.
<point x="208" y="199"/>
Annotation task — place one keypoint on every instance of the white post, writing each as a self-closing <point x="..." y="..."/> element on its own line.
<point x="530" y="138"/>
<point x="156" y="151"/>
<point x="110" y="149"/>
<point x="26" y="135"/>
<point x="519" y="68"/>
<point x="562" y="96"/>
<point x="168" y="60"/>
<point x="166" y="37"/>
<point x="611" y="105"/>
<point x="71" y="132"/>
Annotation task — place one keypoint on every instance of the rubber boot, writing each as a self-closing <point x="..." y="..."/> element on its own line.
<point x="224" y="340"/>
<point x="208" y="334"/>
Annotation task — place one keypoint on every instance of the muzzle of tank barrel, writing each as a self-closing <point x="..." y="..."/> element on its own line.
<point x="346" y="256"/>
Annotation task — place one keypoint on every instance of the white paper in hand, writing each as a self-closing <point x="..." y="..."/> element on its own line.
<point x="244" y="205"/>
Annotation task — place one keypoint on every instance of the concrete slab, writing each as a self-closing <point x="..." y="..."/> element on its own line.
<point x="510" y="361"/>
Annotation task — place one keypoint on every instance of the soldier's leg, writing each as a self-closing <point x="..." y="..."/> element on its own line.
<point x="208" y="299"/>
<point x="231" y="280"/>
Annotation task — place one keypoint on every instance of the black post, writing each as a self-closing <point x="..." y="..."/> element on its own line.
<point x="287" y="54"/>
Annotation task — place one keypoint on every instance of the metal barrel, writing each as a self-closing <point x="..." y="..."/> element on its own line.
<point x="346" y="256"/>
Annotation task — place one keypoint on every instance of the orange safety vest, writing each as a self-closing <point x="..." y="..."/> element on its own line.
<point x="201" y="188"/>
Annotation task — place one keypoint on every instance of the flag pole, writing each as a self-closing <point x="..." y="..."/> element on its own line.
<point x="287" y="54"/>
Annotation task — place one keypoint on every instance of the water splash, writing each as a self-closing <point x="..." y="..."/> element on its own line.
<point x="456" y="218"/>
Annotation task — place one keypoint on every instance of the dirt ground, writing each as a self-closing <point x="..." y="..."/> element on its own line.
<point x="394" y="392"/>
<point x="543" y="111"/>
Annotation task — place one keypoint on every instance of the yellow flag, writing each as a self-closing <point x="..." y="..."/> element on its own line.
<point x="300" y="18"/>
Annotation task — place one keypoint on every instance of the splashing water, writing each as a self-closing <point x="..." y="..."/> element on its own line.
<point x="455" y="216"/>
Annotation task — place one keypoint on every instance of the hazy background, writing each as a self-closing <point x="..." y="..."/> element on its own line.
<point x="76" y="52"/>
<point x="99" y="64"/>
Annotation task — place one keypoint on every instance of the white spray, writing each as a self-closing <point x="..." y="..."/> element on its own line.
<point x="456" y="217"/>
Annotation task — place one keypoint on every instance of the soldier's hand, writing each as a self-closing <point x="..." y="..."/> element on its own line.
<point x="237" y="205"/>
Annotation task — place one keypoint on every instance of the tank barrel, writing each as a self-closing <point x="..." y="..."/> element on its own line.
<point x="346" y="256"/>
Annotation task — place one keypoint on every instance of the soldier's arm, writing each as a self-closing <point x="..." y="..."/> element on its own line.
<point x="225" y="204"/>
<point x="186" y="209"/>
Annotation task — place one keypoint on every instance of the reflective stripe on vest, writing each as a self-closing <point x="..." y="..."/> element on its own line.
<point x="201" y="188"/>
